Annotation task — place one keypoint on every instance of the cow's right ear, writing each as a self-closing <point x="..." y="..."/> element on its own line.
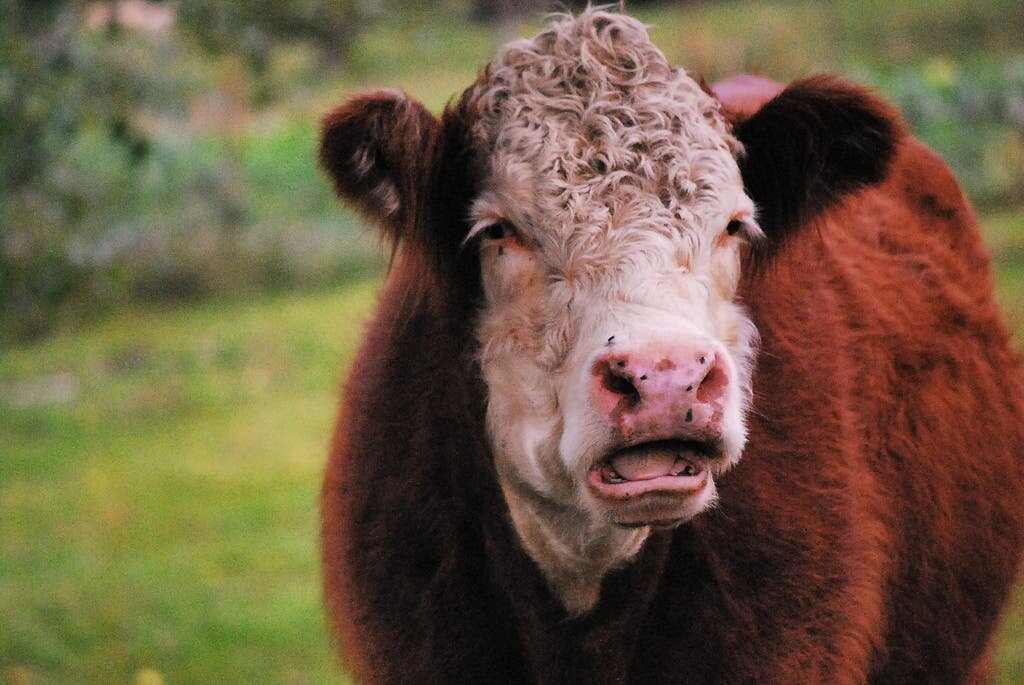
<point x="378" y="148"/>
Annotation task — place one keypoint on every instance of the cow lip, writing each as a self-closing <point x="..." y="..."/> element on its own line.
<point x="672" y="466"/>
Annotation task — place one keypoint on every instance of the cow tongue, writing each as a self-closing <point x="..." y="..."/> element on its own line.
<point x="645" y="462"/>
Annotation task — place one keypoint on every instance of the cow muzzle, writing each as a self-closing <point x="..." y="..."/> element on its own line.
<point x="664" y="411"/>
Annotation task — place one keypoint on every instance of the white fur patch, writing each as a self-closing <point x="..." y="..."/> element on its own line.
<point x="619" y="174"/>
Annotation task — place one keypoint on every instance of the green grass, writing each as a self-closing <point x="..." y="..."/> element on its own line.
<point x="160" y="507"/>
<point x="158" y="485"/>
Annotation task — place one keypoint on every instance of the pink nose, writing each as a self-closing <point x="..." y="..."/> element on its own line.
<point x="653" y="396"/>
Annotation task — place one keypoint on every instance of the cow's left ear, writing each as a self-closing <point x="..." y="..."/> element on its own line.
<point x="816" y="141"/>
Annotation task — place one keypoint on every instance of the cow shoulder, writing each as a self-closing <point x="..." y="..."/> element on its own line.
<point x="929" y="191"/>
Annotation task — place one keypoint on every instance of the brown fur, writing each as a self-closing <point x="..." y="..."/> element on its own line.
<point x="871" y="532"/>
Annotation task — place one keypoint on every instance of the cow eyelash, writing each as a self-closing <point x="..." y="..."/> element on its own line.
<point x="490" y="229"/>
<point x="499" y="230"/>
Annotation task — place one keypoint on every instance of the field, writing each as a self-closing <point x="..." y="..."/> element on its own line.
<point x="159" y="463"/>
<point x="158" y="482"/>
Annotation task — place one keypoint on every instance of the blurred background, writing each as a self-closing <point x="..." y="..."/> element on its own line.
<point x="180" y="293"/>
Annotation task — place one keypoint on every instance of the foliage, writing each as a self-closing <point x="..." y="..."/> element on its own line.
<point x="973" y="113"/>
<point x="129" y="176"/>
<point x="71" y="144"/>
<point x="254" y="27"/>
<point x="42" y="107"/>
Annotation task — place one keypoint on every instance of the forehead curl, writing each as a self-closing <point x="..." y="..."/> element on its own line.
<point x="590" y="122"/>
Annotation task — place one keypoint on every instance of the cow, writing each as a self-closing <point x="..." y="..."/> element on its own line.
<point x="668" y="383"/>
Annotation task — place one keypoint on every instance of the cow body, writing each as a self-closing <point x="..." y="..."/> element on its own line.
<point x="871" y="531"/>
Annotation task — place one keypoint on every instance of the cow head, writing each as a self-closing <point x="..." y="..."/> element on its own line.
<point x="606" y="205"/>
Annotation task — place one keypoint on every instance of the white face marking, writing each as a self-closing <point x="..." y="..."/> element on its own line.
<point x="603" y="224"/>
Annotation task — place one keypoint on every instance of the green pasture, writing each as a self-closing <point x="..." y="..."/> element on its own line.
<point x="158" y="483"/>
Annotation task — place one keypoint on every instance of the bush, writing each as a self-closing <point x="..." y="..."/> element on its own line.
<point x="133" y="174"/>
<point x="971" y="112"/>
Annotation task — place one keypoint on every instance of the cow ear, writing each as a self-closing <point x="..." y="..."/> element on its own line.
<point x="378" y="148"/>
<point x="816" y="141"/>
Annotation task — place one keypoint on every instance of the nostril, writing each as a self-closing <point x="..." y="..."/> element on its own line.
<point x="712" y="386"/>
<point x="618" y="384"/>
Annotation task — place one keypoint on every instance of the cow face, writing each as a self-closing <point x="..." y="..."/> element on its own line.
<point x="609" y="229"/>
<point x="609" y="205"/>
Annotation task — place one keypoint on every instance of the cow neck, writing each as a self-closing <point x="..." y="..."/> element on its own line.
<point x="574" y="552"/>
<point x="596" y="646"/>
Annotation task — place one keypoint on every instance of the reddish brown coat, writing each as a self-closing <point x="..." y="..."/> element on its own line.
<point x="871" y="532"/>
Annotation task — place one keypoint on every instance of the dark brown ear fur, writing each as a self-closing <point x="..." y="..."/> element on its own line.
<point x="816" y="141"/>
<point x="378" y="148"/>
<point x="410" y="173"/>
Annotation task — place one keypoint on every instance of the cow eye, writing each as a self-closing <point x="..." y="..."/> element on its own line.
<point x="499" y="230"/>
<point x="734" y="227"/>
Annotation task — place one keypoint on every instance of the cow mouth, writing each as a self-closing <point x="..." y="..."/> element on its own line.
<point x="673" y="467"/>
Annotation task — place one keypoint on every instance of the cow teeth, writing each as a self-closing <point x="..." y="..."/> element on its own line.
<point x="610" y="475"/>
<point x="687" y="469"/>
